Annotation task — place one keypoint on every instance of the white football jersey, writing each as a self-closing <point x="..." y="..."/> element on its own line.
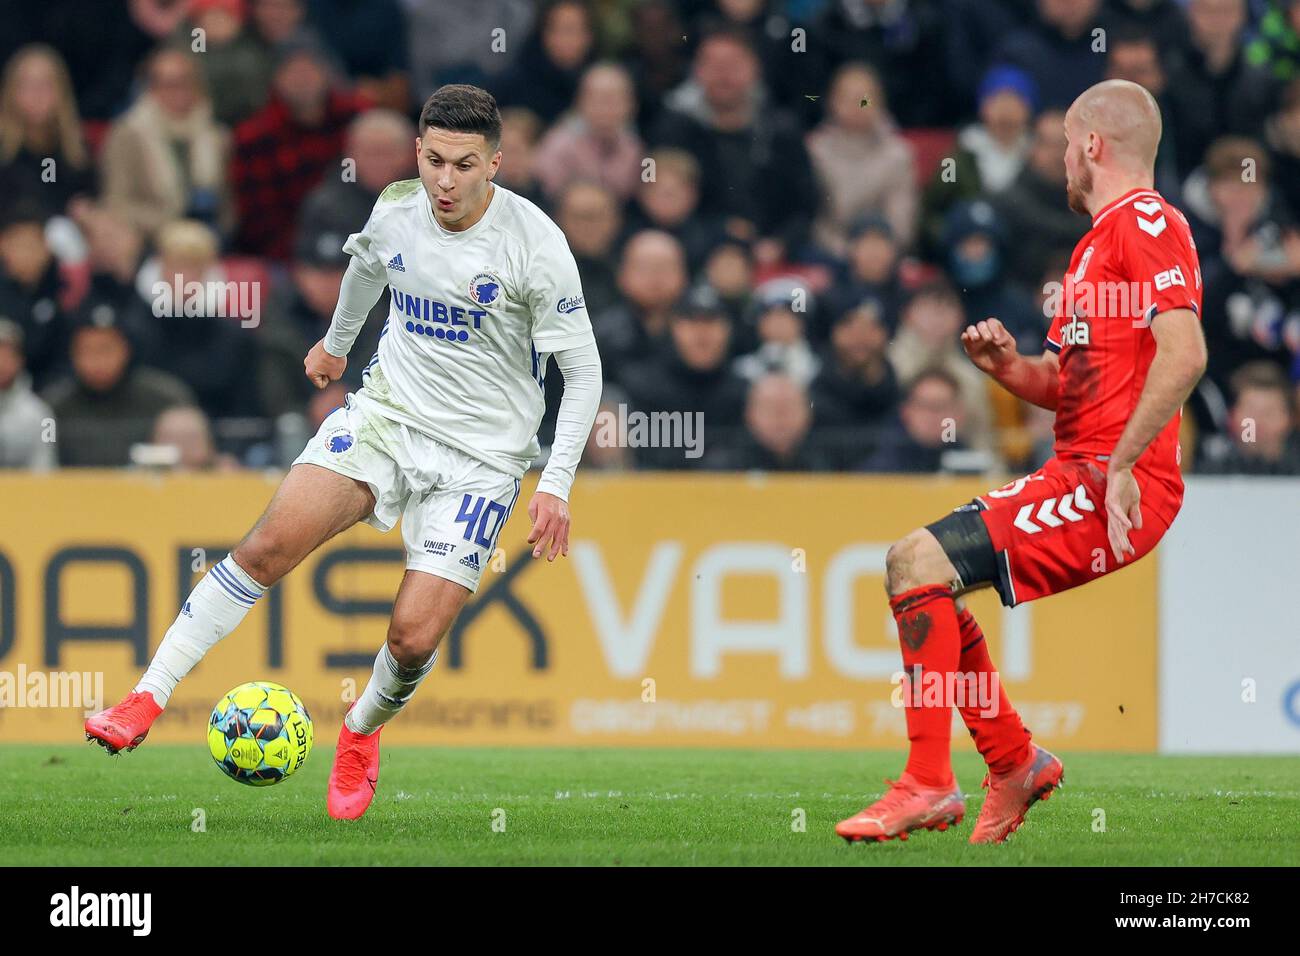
<point x="473" y="318"/>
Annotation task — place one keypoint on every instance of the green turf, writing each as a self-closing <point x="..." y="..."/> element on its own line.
<point x="69" y="805"/>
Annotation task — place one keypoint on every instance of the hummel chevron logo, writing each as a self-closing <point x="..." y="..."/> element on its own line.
<point x="395" y="263"/>
<point x="1051" y="511"/>
<point x="1152" y="227"/>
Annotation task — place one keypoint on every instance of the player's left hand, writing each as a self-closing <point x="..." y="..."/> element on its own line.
<point x="1123" y="510"/>
<point x="550" y="525"/>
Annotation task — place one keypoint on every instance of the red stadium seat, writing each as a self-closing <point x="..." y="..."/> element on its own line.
<point x="929" y="147"/>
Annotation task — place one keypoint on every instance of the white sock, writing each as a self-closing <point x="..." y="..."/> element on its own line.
<point x="390" y="687"/>
<point x="214" y="608"/>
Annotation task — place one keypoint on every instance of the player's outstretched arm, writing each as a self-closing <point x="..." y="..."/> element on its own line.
<point x="549" y="506"/>
<point x="1177" y="367"/>
<point x="993" y="350"/>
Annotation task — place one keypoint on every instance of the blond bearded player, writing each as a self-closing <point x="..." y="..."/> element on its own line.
<point x="1117" y="379"/>
<point x="484" y="290"/>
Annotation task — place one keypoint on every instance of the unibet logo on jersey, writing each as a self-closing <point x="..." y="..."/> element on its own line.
<point x="474" y="315"/>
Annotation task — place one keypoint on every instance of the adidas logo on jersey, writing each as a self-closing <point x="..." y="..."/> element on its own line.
<point x="395" y="263"/>
<point x="471" y="561"/>
<point x="1076" y="332"/>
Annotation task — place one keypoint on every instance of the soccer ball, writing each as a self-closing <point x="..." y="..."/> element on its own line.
<point x="260" y="733"/>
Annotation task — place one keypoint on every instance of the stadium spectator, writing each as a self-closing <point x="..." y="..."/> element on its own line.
<point x="369" y="37"/>
<point x="671" y="202"/>
<point x="1250" y="258"/>
<point x="284" y="150"/>
<point x="975" y="252"/>
<point x="929" y="338"/>
<point x="870" y="272"/>
<point x="1161" y="20"/>
<point x="597" y="141"/>
<point x="465" y="51"/>
<point x="863" y="166"/>
<point x="1213" y="90"/>
<point x="652" y="276"/>
<point x="545" y="76"/>
<point x="591" y="218"/>
<point x="902" y="39"/>
<point x="856" y="387"/>
<point x="756" y="170"/>
<point x="607" y="446"/>
<point x="114" y="250"/>
<point x="1261" y="436"/>
<point x="32" y="290"/>
<point x="729" y="271"/>
<point x="25" y="420"/>
<point x="234" y="64"/>
<point x="186" y="429"/>
<point x="1060" y="51"/>
<point x="1282" y="134"/>
<point x="657" y="57"/>
<point x="1135" y="57"/>
<point x="990" y="153"/>
<point x="197" y="332"/>
<point x="274" y="22"/>
<point x="689" y="373"/>
<point x="107" y="404"/>
<point x="931" y="422"/>
<point x="298" y="317"/>
<point x="1034" y="207"/>
<point x="380" y="146"/>
<point x="1275" y="46"/>
<point x="102" y="44"/>
<point x="779" y="319"/>
<point x="777" y="433"/>
<point x="43" y="158"/>
<point x="520" y="130"/>
<point x="166" y="157"/>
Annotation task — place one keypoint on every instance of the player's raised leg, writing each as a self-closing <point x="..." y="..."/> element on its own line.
<point x="919" y="579"/>
<point x="425" y="608"/>
<point x="311" y="505"/>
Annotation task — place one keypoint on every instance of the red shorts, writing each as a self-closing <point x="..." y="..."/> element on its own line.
<point x="1049" y="529"/>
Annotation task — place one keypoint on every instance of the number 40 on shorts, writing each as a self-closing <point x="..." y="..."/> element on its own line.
<point x="482" y="518"/>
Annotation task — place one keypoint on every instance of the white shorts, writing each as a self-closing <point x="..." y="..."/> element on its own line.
<point x="452" y="506"/>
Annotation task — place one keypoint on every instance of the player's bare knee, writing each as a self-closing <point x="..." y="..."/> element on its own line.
<point x="411" y="640"/>
<point x="257" y="562"/>
<point x="915" y="561"/>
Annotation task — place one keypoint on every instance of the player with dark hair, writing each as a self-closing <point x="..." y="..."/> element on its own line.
<point x="1124" y="351"/>
<point x="484" y="290"/>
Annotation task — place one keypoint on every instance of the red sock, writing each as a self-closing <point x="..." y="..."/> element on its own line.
<point x="1002" y="740"/>
<point x="927" y="631"/>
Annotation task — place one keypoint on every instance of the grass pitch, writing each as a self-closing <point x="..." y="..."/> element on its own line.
<point x="71" y="805"/>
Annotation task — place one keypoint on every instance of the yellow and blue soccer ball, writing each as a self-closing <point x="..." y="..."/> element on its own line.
<point x="260" y="733"/>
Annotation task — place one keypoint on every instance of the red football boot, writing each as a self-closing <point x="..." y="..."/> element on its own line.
<point x="1011" y="794"/>
<point x="124" y="726"/>
<point x="905" y="807"/>
<point x="355" y="774"/>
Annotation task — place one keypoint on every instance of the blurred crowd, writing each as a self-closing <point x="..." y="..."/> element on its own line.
<point x="783" y="212"/>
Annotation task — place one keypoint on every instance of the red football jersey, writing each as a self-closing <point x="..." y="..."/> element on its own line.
<point x="1137" y="261"/>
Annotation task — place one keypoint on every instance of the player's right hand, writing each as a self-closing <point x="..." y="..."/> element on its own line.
<point x="321" y="367"/>
<point x="990" y="346"/>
